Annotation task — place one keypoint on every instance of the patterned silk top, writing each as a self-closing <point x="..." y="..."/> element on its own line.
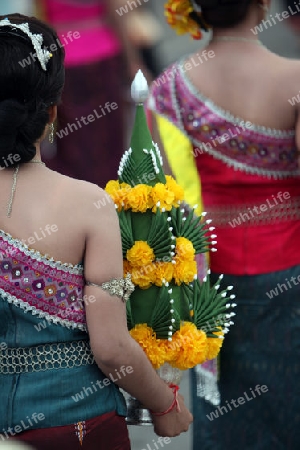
<point x="249" y="175"/>
<point x="46" y="365"/>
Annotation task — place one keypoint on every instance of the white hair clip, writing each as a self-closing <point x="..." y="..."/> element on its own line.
<point x="42" y="55"/>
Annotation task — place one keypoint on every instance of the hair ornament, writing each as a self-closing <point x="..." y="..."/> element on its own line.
<point x="185" y="16"/>
<point x="43" y="55"/>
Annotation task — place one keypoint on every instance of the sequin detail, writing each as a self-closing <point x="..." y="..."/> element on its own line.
<point x="122" y="287"/>
<point x="243" y="146"/>
<point x="48" y="289"/>
<point x="80" y="431"/>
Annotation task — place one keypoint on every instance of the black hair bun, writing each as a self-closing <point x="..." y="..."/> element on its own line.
<point x="18" y="132"/>
<point x="223" y="13"/>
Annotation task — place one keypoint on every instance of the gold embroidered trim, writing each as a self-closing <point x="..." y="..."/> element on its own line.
<point x="120" y="287"/>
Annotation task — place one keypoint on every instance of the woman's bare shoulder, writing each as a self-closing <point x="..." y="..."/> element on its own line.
<point x="80" y="195"/>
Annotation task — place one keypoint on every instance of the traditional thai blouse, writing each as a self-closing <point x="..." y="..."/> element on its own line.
<point x="46" y="364"/>
<point x="249" y="175"/>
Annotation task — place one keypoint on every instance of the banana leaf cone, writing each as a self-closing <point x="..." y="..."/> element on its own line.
<point x="175" y="317"/>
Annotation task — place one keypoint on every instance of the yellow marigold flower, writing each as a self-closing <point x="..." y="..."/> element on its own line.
<point x="140" y="254"/>
<point x="163" y="271"/>
<point x="146" y="338"/>
<point x="168" y="348"/>
<point x="184" y="272"/>
<point x="184" y="249"/>
<point x="138" y="198"/>
<point x="214" y="346"/>
<point x="177" y="190"/>
<point x="118" y="192"/>
<point x="191" y="346"/>
<point x="112" y="186"/>
<point x="160" y="193"/>
<point x="143" y="276"/>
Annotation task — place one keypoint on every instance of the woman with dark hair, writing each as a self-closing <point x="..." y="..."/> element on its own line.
<point x="64" y="341"/>
<point x="229" y="130"/>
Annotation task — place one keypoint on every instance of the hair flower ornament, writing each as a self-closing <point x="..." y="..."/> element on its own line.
<point x="184" y="16"/>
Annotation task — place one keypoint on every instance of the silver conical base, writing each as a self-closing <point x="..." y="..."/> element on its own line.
<point x="136" y="413"/>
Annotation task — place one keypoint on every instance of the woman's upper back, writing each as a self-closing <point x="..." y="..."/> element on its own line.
<point x="250" y="82"/>
<point x="51" y="213"/>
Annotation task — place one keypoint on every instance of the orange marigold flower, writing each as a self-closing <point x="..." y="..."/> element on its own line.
<point x="146" y="338"/>
<point x="163" y="271"/>
<point x="184" y="249"/>
<point x="214" y="346"/>
<point x="184" y="272"/>
<point x="140" y="254"/>
<point x="191" y="346"/>
<point x="177" y="190"/>
<point x="138" y="198"/>
<point x="118" y="192"/>
<point x="112" y="186"/>
<point x="143" y="276"/>
<point x="160" y="193"/>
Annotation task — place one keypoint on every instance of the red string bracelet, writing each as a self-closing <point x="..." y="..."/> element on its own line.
<point x="175" y="403"/>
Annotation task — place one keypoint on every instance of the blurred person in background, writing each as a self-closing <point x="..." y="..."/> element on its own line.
<point x="11" y="6"/>
<point x="231" y="135"/>
<point x="100" y="60"/>
<point x="294" y="19"/>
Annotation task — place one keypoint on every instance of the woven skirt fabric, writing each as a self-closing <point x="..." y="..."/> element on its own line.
<point x="107" y="432"/>
<point x="259" y="369"/>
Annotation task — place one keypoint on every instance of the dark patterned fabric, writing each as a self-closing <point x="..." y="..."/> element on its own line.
<point x="107" y="432"/>
<point x="262" y="348"/>
<point x="290" y="6"/>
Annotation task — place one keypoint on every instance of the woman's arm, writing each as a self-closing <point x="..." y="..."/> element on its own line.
<point x="110" y="340"/>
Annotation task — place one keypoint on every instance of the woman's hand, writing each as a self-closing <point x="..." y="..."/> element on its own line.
<point x="175" y="422"/>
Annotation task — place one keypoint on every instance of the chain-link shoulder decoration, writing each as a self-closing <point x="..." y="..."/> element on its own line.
<point x="120" y="287"/>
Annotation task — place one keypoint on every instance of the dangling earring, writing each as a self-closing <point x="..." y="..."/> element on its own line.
<point x="51" y="135"/>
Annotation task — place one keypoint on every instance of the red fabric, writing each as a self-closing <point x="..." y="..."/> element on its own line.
<point x="107" y="432"/>
<point x="249" y="249"/>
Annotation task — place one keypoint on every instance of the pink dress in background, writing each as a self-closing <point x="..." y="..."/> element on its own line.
<point x="95" y="79"/>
